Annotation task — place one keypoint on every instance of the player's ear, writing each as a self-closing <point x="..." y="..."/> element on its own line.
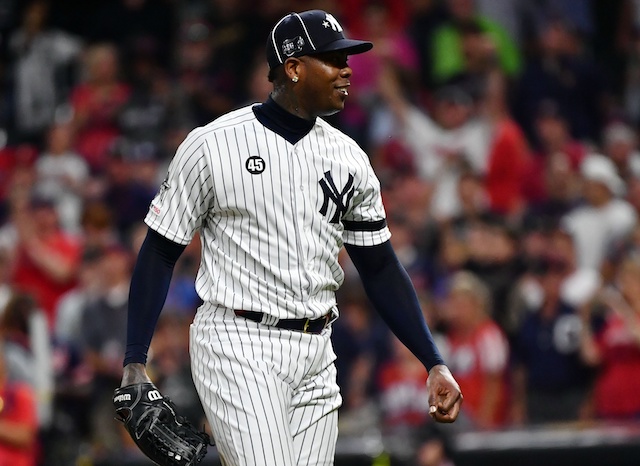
<point x="291" y="69"/>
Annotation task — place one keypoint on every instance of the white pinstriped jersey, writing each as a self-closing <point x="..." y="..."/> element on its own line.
<point x="272" y="215"/>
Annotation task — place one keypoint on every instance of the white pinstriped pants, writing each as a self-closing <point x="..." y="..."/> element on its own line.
<point x="270" y="395"/>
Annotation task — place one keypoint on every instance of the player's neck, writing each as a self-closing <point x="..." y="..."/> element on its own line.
<point x="277" y="118"/>
<point x="289" y="102"/>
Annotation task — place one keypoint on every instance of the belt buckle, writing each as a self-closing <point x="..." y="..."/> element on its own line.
<point x="306" y="325"/>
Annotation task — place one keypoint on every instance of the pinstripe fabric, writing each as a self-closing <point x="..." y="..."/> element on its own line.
<point x="270" y="237"/>
<point x="265" y="245"/>
<point x="270" y="395"/>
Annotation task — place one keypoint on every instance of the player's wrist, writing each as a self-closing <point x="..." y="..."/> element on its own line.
<point x="440" y="368"/>
<point x="133" y="373"/>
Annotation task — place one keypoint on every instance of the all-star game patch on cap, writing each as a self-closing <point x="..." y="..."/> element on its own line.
<point x="308" y="33"/>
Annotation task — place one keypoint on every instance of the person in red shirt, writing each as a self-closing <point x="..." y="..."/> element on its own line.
<point x="96" y="105"/>
<point x="615" y="348"/>
<point x="47" y="259"/>
<point x="18" y="422"/>
<point x="558" y="158"/>
<point x="400" y="383"/>
<point x="477" y="350"/>
<point x="508" y="155"/>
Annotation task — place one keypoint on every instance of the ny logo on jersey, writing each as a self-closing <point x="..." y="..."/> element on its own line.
<point x="340" y="198"/>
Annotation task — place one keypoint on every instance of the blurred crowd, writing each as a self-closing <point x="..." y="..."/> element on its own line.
<point x="505" y="136"/>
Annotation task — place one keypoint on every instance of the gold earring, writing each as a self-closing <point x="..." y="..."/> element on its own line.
<point x="294" y="79"/>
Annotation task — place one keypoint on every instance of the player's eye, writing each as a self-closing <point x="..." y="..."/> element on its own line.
<point x="337" y="59"/>
<point x="340" y="60"/>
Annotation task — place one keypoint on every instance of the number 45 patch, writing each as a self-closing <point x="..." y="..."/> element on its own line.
<point x="255" y="165"/>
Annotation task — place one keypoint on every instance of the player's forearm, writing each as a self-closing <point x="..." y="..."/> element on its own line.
<point x="149" y="287"/>
<point x="389" y="288"/>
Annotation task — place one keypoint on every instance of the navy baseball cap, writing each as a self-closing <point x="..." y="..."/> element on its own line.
<point x="307" y="33"/>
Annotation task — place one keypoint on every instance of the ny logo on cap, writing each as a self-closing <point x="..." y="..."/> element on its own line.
<point x="292" y="46"/>
<point x="331" y="21"/>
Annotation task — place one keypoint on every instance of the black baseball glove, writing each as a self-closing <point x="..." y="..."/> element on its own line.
<point x="152" y="422"/>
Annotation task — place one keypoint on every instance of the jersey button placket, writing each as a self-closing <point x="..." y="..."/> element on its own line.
<point x="297" y="211"/>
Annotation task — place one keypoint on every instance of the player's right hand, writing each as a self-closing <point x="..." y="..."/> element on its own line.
<point x="445" y="397"/>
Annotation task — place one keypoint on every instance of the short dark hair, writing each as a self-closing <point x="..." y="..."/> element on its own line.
<point x="276" y="74"/>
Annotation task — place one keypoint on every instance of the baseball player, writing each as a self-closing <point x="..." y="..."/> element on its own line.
<point x="275" y="192"/>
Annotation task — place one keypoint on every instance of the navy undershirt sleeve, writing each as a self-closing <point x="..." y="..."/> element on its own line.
<point x="389" y="288"/>
<point x="149" y="287"/>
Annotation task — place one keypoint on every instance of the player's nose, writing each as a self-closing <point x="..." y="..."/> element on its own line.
<point x="346" y="72"/>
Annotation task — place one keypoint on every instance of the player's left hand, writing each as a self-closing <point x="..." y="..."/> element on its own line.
<point x="444" y="392"/>
<point x="154" y="425"/>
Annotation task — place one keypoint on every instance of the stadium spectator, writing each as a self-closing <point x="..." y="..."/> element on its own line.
<point x="435" y="447"/>
<point x="363" y="344"/>
<point x="17" y="176"/>
<point x="447" y="44"/>
<point x="61" y="176"/>
<point x="550" y="382"/>
<point x="103" y="330"/>
<point x="480" y="61"/>
<point x="365" y="120"/>
<point x="352" y="14"/>
<point x="605" y="219"/>
<point x="42" y="62"/>
<point x="98" y="225"/>
<point x="552" y="169"/>
<point x="620" y="144"/>
<point x="6" y="287"/>
<point x="580" y="284"/>
<point x="424" y="17"/>
<point x="477" y="351"/>
<point x="493" y="256"/>
<point x="128" y="183"/>
<point x="561" y="71"/>
<point x="510" y="14"/>
<point x="451" y="253"/>
<point x="18" y="421"/>
<point x="70" y="307"/>
<point x="400" y="382"/>
<point x="444" y="143"/>
<point x="96" y="103"/>
<point x="72" y="400"/>
<point x="28" y="351"/>
<point x="614" y="349"/>
<point x="152" y="110"/>
<point x="73" y="375"/>
<point x="47" y="258"/>
<point x="509" y="153"/>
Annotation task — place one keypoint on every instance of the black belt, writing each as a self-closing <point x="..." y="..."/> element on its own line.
<point x="300" y="325"/>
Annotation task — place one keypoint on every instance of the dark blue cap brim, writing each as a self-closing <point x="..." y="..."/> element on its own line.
<point x="351" y="46"/>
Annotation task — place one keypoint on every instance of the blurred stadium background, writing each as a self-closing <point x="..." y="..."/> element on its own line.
<point x="505" y="136"/>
